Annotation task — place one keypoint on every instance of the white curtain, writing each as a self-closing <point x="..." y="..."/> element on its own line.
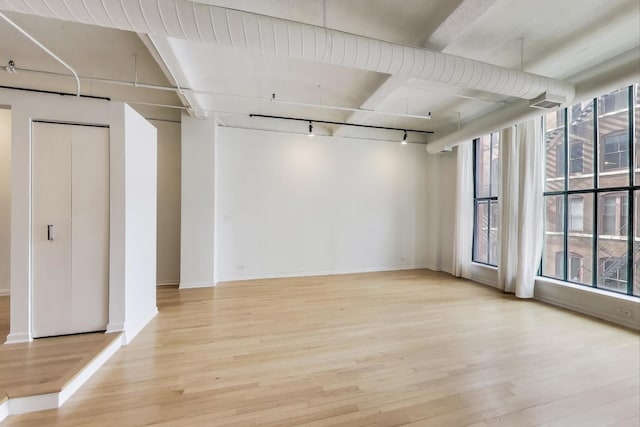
<point x="463" y="231"/>
<point x="521" y="208"/>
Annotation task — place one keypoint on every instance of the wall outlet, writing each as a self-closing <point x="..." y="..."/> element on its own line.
<point x="240" y="267"/>
<point x="623" y="312"/>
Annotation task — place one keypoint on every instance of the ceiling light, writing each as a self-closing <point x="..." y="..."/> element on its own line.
<point x="404" y="138"/>
<point x="310" y="128"/>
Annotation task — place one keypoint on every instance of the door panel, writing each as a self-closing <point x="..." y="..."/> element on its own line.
<point x="90" y="227"/>
<point x="51" y="205"/>
<point x="70" y="189"/>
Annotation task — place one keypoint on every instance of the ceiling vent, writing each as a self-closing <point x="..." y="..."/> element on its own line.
<point x="547" y="101"/>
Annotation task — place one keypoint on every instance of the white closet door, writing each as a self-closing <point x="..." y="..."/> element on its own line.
<point x="70" y="190"/>
<point x="51" y="250"/>
<point x="90" y="228"/>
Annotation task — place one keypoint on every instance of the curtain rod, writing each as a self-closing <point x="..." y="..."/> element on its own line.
<point x="338" y="123"/>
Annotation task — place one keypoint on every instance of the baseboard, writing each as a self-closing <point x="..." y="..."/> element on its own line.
<point x="130" y="333"/>
<point x="113" y="327"/>
<point x="41" y="402"/>
<point x="167" y="282"/>
<point x="186" y="285"/>
<point x="4" y="409"/>
<point x="5" y="292"/>
<point x="18" y="338"/>
<point x="321" y="273"/>
<point x="86" y="373"/>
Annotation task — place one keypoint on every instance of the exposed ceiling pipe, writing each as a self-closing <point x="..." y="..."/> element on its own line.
<point x="182" y="90"/>
<point x="612" y="74"/>
<point x="278" y="37"/>
<point x="43" y="47"/>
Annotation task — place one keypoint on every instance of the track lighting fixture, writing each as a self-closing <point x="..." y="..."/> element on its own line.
<point x="310" y="128"/>
<point x="404" y="138"/>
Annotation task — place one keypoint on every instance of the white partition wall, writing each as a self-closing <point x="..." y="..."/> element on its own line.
<point x="26" y="107"/>
<point x="140" y="222"/>
<point x="5" y="198"/>
<point x="197" y="208"/>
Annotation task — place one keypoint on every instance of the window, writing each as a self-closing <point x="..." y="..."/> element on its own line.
<point x="592" y="192"/>
<point x="486" y="178"/>
<point x="615" y="214"/>
<point x="576" y="213"/>
<point x="616" y="151"/>
<point x="576" y="160"/>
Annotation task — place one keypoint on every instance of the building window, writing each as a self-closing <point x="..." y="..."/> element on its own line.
<point x="615" y="213"/>
<point x="486" y="178"/>
<point x="591" y="193"/>
<point x="576" y="213"/>
<point x="616" y="151"/>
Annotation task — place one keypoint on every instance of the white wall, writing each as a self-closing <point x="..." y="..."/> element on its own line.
<point x="140" y="222"/>
<point x="5" y="199"/>
<point x="168" y="217"/>
<point x="446" y="199"/>
<point x="25" y="107"/>
<point x="197" y="240"/>
<point x="290" y="205"/>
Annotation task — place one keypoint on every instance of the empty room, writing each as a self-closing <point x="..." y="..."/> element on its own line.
<point x="320" y="213"/>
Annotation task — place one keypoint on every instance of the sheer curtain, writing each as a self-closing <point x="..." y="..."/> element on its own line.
<point x="463" y="231"/>
<point x="521" y="212"/>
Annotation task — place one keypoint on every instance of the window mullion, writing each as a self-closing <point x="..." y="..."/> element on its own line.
<point x="596" y="162"/>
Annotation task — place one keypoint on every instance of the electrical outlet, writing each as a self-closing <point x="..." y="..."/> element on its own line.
<point x="240" y="267"/>
<point x="623" y="312"/>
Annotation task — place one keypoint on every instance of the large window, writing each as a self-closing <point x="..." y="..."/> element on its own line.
<point x="592" y="186"/>
<point x="486" y="174"/>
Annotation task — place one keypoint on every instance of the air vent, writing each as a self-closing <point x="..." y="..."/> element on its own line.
<point x="547" y="101"/>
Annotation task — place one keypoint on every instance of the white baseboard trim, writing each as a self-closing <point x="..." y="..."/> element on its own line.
<point x="130" y="332"/>
<point x="321" y="273"/>
<point x="115" y="327"/>
<point x="187" y="285"/>
<point x="86" y="373"/>
<point x="40" y="402"/>
<point x="4" y="410"/>
<point x="4" y="292"/>
<point x="17" y="338"/>
<point x="167" y="282"/>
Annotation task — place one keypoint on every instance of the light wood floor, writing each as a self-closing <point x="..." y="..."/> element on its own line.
<point x="402" y="348"/>
<point x="45" y="365"/>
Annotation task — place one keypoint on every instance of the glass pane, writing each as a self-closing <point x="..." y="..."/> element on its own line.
<point x="483" y="166"/>
<point x="552" y="265"/>
<point x="636" y="87"/>
<point x="613" y="215"/>
<point x="613" y="124"/>
<point x="481" y="243"/>
<point x="580" y="242"/>
<point x="554" y="151"/>
<point x="581" y="146"/>
<point x="495" y="163"/>
<point x="636" y="247"/>
<point x="493" y="234"/>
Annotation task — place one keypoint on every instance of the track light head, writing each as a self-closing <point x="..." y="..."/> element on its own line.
<point x="404" y="138"/>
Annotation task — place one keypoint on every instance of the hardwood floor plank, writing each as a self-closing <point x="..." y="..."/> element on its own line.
<point x="395" y="348"/>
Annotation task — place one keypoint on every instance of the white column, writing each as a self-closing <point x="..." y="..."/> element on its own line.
<point x="197" y="203"/>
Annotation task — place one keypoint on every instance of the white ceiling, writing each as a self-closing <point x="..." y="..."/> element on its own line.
<point x="558" y="39"/>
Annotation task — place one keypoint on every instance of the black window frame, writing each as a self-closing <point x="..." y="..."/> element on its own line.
<point x="489" y="200"/>
<point x="596" y="191"/>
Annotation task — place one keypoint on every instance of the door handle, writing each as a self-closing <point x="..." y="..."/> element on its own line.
<point x="50" y="232"/>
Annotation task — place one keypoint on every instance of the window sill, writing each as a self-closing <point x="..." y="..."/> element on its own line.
<point x="616" y="308"/>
